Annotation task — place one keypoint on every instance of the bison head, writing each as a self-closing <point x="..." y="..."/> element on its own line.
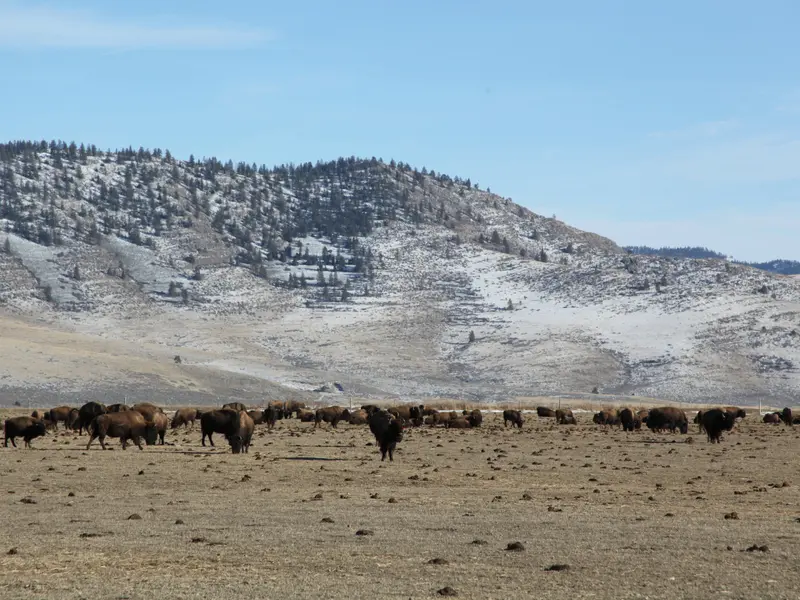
<point x="236" y="442"/>
<point x="38" y="428"/>
<point x="150" y="433"/>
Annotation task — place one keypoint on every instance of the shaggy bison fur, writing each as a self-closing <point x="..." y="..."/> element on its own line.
<point x="127" y="425"/>
<point x="667" y="417"/>
<point x="388" y="431"/>
<point x="717" y="420"/>
<point x="514" y="417"/>
<point x="27" y="428"/>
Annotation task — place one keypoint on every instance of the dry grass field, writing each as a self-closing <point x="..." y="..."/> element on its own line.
<point x="315" y="514"/>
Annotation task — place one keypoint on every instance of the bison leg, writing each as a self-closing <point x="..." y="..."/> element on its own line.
<point x="138" y="441"/>
<point x="161" y="436"/>
<point x="91" y="439"/>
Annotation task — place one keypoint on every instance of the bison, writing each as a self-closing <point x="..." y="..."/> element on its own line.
<point x="306" y="416"/>
<point x="698" y="418"/>
<point x="388" y="431"/>
<point x="717" y="420"/>
<point x="773" y="418"/>
<point x="607" y="417"/>
<point x="60" y="414"/>
<point x="185" y="417"/>
<point x="240" y="437"/>
<point x="514" y="417"/>
<point x="358" y="417"/>
<point x="330" y="414"/>
<point x="127" y="425"/>
<point x="408" y="412"/>
<point x="738" y="413"/>
<point x="147" y="410"/>
<point x="458" y="423"/>
<point x="628" y="420"/>
<point x="27" y="428"/>
<point x="235" y="406"/>
<point x="115" y="408"/>
<point x="293" y="407"/>
<point x="786" y="416"/>
<point x="565" y="417"/>
<point x="667" y="417"/>
<point x="475" y="417"/>
<point x="223" y="420"/>
<point x="87" y="414"/>
<point x="544" y="412"/>
<point x="73" y="419"/>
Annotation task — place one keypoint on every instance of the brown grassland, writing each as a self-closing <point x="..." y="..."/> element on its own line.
<point x="636" y="515"/>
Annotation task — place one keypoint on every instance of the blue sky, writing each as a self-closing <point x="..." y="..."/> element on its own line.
<point x="661" y="123"/>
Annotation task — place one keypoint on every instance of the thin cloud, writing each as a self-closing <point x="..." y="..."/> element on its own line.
<point x="44" y="27"/>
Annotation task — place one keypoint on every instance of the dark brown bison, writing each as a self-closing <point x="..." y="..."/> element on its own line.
<point x="235" y="406"/>
<point x="330" y="414"/>
<point x="36" y="415"/>
<point x="738" y="413"/>
<point x="184" y="417"/>
<point x="293" y="407"/>
<point x="773" y="418"/>
<point x="115" y="408"/>
<point x="717" y="420"/>
<point x="60" y="414"/>
<point x="258" y="416"/>
<point x="147" y="410"/>
<point x="408" y="412"/>
<point x="475" y="417"/>
<point x="73" y="419"/>
<point x="388" y="431"/>
<point x="223" y="420"/>
<point x="786" y="416"/>
<point x="358" y="417"/>
<point x="564" y="416"/>
<point x="514" y="417"/>
<point x="243" y="433"/>
<point x="608" y="417"/>
<point x="87" y="414"/>
<point x="544" y="412"/>
<point x="627" y="418"/>
<point x="698" y="418"/>
<point x="667" y="417"/>
<point x="127" y="425"/>
<point x="642" y="415"/>
<point x="306" y="416"/>
<point x="27" y="428"/>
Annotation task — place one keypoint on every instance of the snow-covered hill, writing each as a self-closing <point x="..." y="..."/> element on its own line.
<point x="372" y="274"/>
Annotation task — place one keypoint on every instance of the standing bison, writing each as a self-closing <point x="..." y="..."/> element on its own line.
<point x="514" y="417"/>
<point x="185" y="417"/>
<point x="717" y="420"/>
<point x="786" y="417"/>
<point x="667" y="417"/>
<point x="223" y="420"/>
<point x="606" y="417"/>
<point x="388" y="431"/>
<point x="27" y="428"/>
<point x="235" y="406"/>
<point x="628" y="419"/>
<point x="242" y="434"/>
<point x="127" y="425"/>
<point x="330" y="414"/>
<point x="87" y="414"/>
<point x="698" y="418"/>
<point x="60" y="414"/>
<point x="114" y="408"/>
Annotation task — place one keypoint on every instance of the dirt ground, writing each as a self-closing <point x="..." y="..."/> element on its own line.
<point x="630" y="515"/>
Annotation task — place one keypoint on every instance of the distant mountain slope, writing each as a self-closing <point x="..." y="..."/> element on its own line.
<point x="780" y="266"/>
<point x="368" y="273"/>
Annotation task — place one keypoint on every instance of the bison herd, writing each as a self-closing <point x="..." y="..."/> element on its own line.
<point x="148" y="422"/>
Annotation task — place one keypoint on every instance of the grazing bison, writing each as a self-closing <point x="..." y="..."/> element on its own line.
<point x="115" y="408"/>
<point x="185" y="417"/>
<point x="242" y="434"/>
<point x="60" y="414"/>
<point x="73" y="419"/>
<point x="717" y="420"/>
<point x="235" y="406"/>
<point x="127" y="425"/>
<point x="628" y="420"/>
<point x="698" y="418"/>
<point x="738" y="413"/>
<point x="388" y="431"/>
<point x="87" y="414"/>
<point x="514" y="417"/>
<point x="306" y="416"/>
<point x="27" y="428"/>
<point x="773" y="418"/>
<point x="147" y="410"/>
<point x="475" y="417"/>
<point x="786" y="416"/>
<point x="667" y="417"/>
<point x="544" y="412"/>
<point x="330" y="414"/>
<point x="223" y="420"/>
<point x="607" y="417"/>
<point x="564" y="416"/>
<point x="272" y="414"/>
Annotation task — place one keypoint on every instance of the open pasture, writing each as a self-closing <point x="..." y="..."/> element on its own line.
<point x="314" y="513"/>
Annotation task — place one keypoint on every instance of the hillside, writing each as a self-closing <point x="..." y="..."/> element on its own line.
<point x="277" y="280"/>
<point x="778" y="266"/>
